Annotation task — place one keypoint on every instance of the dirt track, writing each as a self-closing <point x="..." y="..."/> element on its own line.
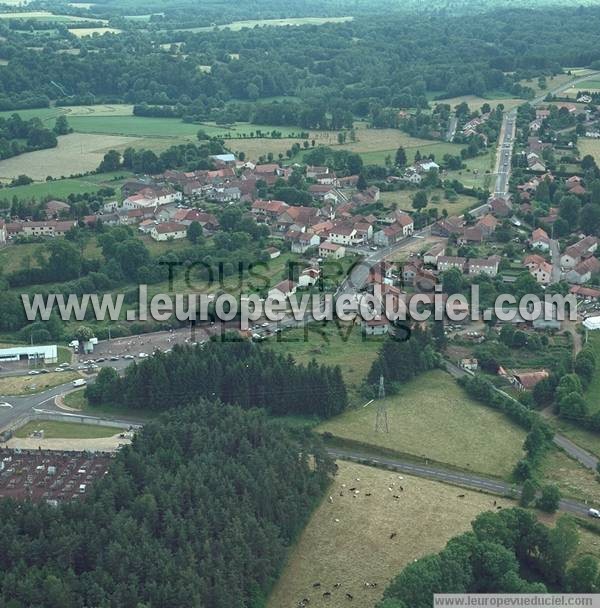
<point x="104" y="444"/>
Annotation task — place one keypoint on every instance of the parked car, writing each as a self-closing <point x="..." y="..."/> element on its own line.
<point x="594" y="513"/>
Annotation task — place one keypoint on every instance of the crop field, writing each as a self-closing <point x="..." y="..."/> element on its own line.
<point x="348" y="541"/>
<point x="76" y="153"/>
<point x="25" y="385"/>
<point x="49" y="115"/>
<point x="433" y="418"/>
<point x="66" y="430"/>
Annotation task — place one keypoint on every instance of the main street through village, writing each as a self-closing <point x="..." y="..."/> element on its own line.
<point x="12" y="408"/>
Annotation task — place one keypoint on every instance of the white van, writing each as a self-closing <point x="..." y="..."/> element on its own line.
<point x="79" y="382"/>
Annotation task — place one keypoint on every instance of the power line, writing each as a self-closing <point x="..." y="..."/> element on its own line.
<point x="381" y="417"/>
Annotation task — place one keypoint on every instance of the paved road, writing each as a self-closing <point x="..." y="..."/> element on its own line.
<point x="25" y="404"/>
<point x="507" y="136"/>
<point x="504" y="154"/>
<point x="452" y="128"/>
<point x="555" y="253"/>
<point x="462" y="479"/>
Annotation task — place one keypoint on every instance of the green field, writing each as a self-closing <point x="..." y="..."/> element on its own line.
<point x="45" y="16"/>
<point x="77" y="401"/>
<point x="347" y="541"/>
<point x="403" y="200"/>
<point x="61" y="188"/>
<point x="589" y="146"/>
<point x="29" y="385"/>
<point x="433" y="418"/>
<point x="592" y="393"/>
<point x="66" y="430"/>
<point x="344" y="346"/>
<point x="573" y="479"/>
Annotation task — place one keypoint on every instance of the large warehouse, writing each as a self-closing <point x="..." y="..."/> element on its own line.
<point x="46" y="354"/>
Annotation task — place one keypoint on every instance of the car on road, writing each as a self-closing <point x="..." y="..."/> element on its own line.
<point x="128" y="357"/>
<point x="101" y="360"/>
<point x="265" y="325"/>
<point x="114" y="358"/>
<point x="143" y="355"/>
<point x="59" y="369"/>
<point x="44" y="371"/>
<point x="5" y="404"/>
<point x="594" y="513"/>
<point x="34" y="372"/>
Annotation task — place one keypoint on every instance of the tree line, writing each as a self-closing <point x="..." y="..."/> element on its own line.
<point x="494" y="557"/>
<point x="238" y="372"/>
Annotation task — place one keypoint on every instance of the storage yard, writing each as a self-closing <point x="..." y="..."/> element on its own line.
<point x="51" y="476"/>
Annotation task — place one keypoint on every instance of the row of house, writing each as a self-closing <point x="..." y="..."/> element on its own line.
<point x="473" y="266"/>
<point x="49" y="228"/>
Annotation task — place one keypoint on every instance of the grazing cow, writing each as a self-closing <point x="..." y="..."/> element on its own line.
<point x="337" y="585"/>
<point x="327" y="594"/>
<point x="368" y="494"/>
<point x="352" y="489"/>
<point x="461" y="495"/>
<point x="393" y="535"/>
<point x="316" y="585"/>
<point x="350" y="597"/>
<point x="396" y="496"/>
<point x="331" y="499"/>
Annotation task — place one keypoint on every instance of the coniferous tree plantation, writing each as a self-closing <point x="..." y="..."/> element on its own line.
<point x="198" y="511"/>
<point x="234" y="372"/>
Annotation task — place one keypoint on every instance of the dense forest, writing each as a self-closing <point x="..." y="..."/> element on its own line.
<point x="239" y="372"/>
<point x="358" y="66"/>
<point x="494" y="558"/>
<point x="209" y="496"/>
